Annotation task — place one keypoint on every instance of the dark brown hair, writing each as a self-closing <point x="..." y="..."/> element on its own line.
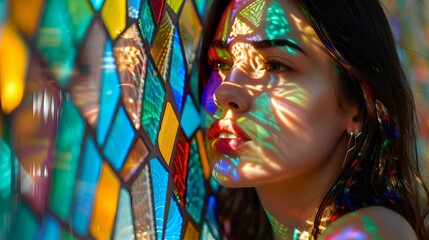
<point x="384" y="169"/>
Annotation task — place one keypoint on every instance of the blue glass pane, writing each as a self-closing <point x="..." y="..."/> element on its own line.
<point x="66" y="159"/>
<point x="207" y="98"/>
<point x="133" y="8"/>
<point x="154" y="93"/>
<point x="50" y="229"/>
<point x="159" y="186"/>
<point x="210" y="215"/>
<point x="147" y="22"/>
<point x="177" y="71"/>
<point x="190" y="118"/>
<point x="85" y="187"/>
<point x="124" y="219"/>
<point x="110" y="92"/>
<point x="96" y="4"/>
<point x="195" y="187"/>
<point x="119" y="140"/>
<point x="174" y="222"/>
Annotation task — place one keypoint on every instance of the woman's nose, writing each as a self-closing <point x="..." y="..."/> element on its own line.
<point x="232" y="96"/>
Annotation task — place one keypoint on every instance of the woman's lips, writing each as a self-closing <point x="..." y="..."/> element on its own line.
<point x="226" y="136"/>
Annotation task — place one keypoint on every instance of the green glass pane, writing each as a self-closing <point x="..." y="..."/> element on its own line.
<point x="153" y="101"/>
<point x="66" y="159"/>
<point x="195" y="185"/>
<point x="147" y="22"/>
<point x="124" y="219"/>
<point x="68" y="236"/>
<point x="141" y="193"/>
<point x="6" y="177"/>
<point x="25" y="224"/>
<point x="3" y="10"/>
<point x="62" y="27"/>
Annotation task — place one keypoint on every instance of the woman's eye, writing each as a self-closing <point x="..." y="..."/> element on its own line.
<point x="275" y="66"/>
<point x="219" y="65"/>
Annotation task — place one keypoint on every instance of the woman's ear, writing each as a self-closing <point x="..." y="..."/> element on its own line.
<point x="354" y="120"/>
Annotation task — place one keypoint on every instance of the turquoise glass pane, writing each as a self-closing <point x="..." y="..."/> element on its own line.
<point x="85" y="187"/>
<point x="153" y="101"/>
<point x="195" y="186"/>
<point x="190" y="118"/>
<point x="159" y="188"/>
<point x="200" y="4"/>
<point x="119" y="140"/>
<point x="133" y="8"/>
<point x="174" y="222"/>
<point x="5" y="171"/>
<point x="110" y="92"/>
<point x="124" y="228"/>
<point x="66" y="159"/>
<point x="62" y="27"/>
<point x="96" y="4"/>
<point x="3" y="10"/>
<point x="193" y="83"/>
<point x="177" y="71"/>
<point x="206" y="234"/>
<point x="50" y="229"/>
<point x="147" y="22"/>
<point x="25" y="224"/>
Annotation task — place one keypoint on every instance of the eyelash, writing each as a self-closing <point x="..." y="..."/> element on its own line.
<point x="277" y="63"/>
<point x="217" y="65"/>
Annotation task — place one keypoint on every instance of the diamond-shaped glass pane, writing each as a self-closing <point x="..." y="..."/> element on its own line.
<point x="168" y="132"/>
<point x="96" y="4"/>
<point x="135" y="158"/>
<point x="141" y="192"/>
<point x="159" y="188"/>
<point x="115" y="25"/>
<point x="124" y="228"/>
<point x="86" y="78"/>
<point x="191" y="232"/>
<point x="162" y="45"/>
<point x="180" y="166"/>
<point x="66" y="160"/>
<point x="153" y="101"/>
<point x="178" y="72"/>
<point x="195" y="187"/>
<point x="106" y="203"/>
<point x="24" y="216"/>
<point x="190" y="118"/>
<point x="175" y="4"/>
<point x="131" y="59"/>
<point x="190" y="30"/>
<point x="133" y="8"/>
<point x="122" y="134"/>
<point x="147" y="22"/>
<point x="110" y="91"/>
<point x="86" y="185"/>
<point x="157" y="7"/>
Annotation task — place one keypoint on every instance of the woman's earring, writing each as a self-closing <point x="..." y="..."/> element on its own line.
<point x="349" y="149"/>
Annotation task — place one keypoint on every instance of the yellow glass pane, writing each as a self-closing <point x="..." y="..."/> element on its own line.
<point x="191" y="232"/>
<point x="203" y="154"/>
<point x="13" y="65"/>
<point x="106" y="202"/>
<point x="175" y="4"/>
<point x="168" y="132"/>
<point x="114" y="16"/>
<point x="25" y="15"/>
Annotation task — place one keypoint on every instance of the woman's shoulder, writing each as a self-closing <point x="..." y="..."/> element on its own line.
<point x="373" y="222"/>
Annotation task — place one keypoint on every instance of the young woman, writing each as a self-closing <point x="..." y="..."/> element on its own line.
<point x="310" y="122"/>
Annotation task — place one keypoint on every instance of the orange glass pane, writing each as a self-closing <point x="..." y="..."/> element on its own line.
<point x="25" y="15"/>
<point x="135" y="158"/>
<point x="203" y="154"/>
<point x="13" y="65"/>
<point x="114" y="15"/>
<point x="191" y="232"/>
<point x="168" y="132"/>
<point x="106" y="202"/>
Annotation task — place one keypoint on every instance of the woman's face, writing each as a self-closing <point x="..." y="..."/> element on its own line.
<point x="277" y="112"/>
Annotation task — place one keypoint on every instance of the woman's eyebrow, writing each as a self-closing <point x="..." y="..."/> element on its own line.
<point x="277" y="43"/>
<point x="261" y="44"/>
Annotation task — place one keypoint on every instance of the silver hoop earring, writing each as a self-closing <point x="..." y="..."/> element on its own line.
<point x="349" y="149"/>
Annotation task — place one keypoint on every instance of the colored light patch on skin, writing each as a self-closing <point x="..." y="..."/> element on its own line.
<point x="253" y="12"/>
<point x="240" y="28"/>
<point x="265" y="115"/>
<point x="277" y="22"/>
